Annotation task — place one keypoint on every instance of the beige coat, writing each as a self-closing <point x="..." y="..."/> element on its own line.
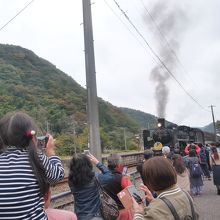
<point x="158" y="210"/>
<point x="183" y="180"/>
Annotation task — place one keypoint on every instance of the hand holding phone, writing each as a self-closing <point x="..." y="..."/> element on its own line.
<point x="127" y="195"/>
<point x="124" y="171"/>
<point x="86" y="152"/>
<point x="134" y="193"/>
<point x="92" y="158"/>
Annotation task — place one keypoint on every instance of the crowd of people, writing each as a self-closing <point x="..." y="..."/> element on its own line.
<point x="169" y="180"/>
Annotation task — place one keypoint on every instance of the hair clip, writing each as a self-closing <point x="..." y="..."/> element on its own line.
<point x="30" y="133"/>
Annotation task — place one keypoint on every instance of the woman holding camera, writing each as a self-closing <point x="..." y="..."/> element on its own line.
<point x="25" y="172"/>
<point x="84" y="188"/>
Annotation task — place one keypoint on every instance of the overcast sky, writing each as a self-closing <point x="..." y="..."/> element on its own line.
<point x="53" y="30"/>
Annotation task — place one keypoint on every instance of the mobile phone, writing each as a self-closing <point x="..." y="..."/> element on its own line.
<point x="124" y="171"/>
<point x="134" y="193"/>
<point x="86" y="152"/>
<point x="42" y="141"/>
<point x="126" y="195"/>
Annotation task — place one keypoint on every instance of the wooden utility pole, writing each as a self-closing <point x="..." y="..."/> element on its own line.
<point x="92" y="105"/>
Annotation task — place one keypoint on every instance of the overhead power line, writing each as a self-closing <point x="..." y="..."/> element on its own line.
<point x="157" y="56"/>
<point x="16" y="15"/>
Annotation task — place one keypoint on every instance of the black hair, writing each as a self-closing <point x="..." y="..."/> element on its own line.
<point x="80" y="170"/>
<point x="215" y="153"/>
<point x="200" y="145"/>
<point x="13" y="132"/>
<point x="176" y="151"/>
<point x="192" y="153"/>
<point x="148" y="154"/>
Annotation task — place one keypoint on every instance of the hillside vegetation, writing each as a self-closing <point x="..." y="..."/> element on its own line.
<point x="33" y="85"/>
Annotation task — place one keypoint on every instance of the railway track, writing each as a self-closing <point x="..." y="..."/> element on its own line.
<point x="62" y="197"/>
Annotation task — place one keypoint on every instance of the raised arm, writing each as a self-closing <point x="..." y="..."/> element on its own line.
<point x="52" y="163"/>
<point x="98" y="164"/>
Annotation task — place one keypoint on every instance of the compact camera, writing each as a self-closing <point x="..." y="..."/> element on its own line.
<point x="42" y="141"/>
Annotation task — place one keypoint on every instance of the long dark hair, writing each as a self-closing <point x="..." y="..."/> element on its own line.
<point x="80" y="170"/>
<point x="215" y="153"/>
<point x="178" y="163"/>
<point x="13" y="132"/>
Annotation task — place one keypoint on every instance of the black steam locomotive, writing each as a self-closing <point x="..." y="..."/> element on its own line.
<point x="174" y="136"/>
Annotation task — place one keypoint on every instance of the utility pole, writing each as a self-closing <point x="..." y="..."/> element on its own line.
<point x="92" y="105"/>
<point x="47" y="127"/>
<point x="74" y="137"/>
<point x="125" y="139"/>
<point x="213" y="119"/>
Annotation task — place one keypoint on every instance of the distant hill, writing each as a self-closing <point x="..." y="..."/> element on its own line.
<point x="57" y="102"/>
<point x="208" y="128"/>
<point x="144" y="120"/>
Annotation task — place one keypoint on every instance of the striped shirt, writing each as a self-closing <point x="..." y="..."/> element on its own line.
<point x="19" y="190"/>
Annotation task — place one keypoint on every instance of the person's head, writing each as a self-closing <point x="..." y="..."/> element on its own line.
<point x="114" y="161"/>
<point x="81" y="171"/>
<point x="215" y="153"/>
<point x="165" y="150"/>
<point x="200" y="145"/>
<point x="178" y="164"/>
<point x="217" y="144"/>
<point x="170" y="156"/>
<point x="192" y="153"/>
<point x="14" y="130"/>
<point x="148" y="154"/>
<point x="159" y="174"/>
<point x="191" y="147"/>
<point x="19" y="130"/>
<point x="176" y="151"/>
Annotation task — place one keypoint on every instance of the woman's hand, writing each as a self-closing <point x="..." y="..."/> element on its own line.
<point x="92" y="158"/>
<point x="50" y="146"/>
<point x="137" y="208"/>
<point x="148" y="193"/>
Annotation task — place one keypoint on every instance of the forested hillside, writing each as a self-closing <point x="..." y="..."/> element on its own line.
<point x="33" y="85"/>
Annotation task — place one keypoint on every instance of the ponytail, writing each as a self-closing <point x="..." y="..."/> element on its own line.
<point x="38" y="168"/>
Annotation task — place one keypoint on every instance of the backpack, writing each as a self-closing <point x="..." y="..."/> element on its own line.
<point x="203" y="157"/>
<point x="195" y="169"/>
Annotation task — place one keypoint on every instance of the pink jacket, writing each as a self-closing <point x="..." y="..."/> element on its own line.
<point x="197" y="149"/>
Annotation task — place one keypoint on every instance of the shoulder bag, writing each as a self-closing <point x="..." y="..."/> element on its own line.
<point x="109" y="208"/>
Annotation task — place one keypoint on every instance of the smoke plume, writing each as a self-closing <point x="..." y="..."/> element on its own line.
<point x="169" y="17"/>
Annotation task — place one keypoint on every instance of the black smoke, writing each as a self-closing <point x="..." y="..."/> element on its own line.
<point x="169" y="17"/>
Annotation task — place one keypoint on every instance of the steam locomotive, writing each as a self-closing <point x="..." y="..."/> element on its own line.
<point x="174" y="136"/>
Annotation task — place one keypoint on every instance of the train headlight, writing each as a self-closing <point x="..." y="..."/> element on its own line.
<point x="159" y="125"/>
